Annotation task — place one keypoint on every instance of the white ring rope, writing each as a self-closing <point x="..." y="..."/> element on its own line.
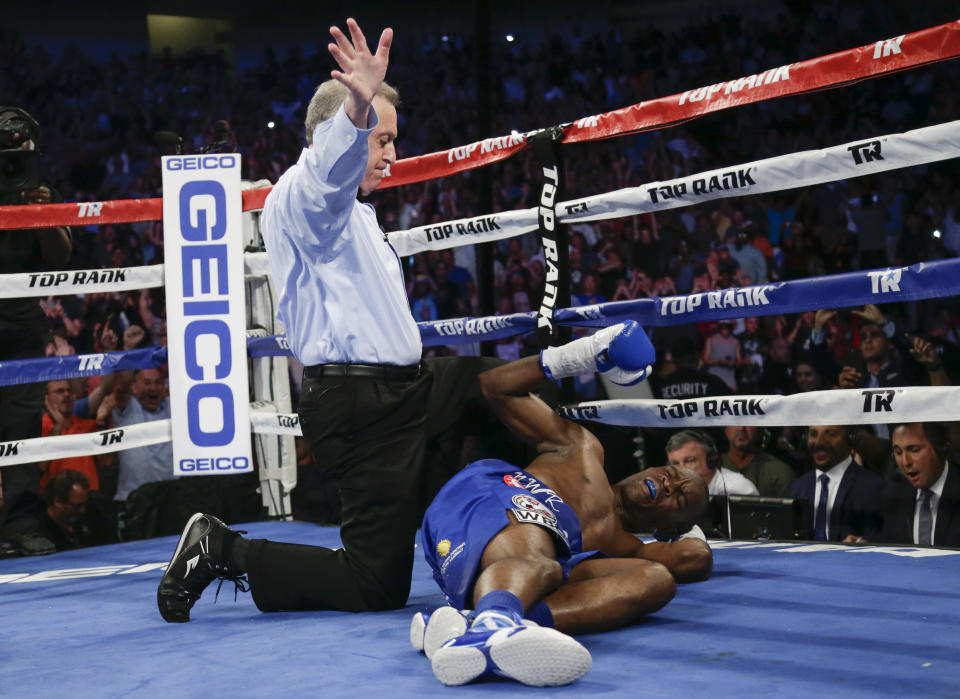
<point x="842" y="406"/>
<point x="26" y="451"/>
<point x="117" y="279"/>
<point x="853" y="406"/>
<point x="854" y="159"/>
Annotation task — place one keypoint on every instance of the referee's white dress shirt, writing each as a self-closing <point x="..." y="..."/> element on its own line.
<point x="341" y="287"/>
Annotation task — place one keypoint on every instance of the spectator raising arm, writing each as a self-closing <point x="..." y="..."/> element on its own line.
<point x="124" y="379"/>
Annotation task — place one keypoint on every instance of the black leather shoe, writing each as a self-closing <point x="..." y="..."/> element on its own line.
<point x="202" y="556"/>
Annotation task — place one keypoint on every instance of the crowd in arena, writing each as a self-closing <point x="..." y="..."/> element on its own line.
<point x="100" y="120"/>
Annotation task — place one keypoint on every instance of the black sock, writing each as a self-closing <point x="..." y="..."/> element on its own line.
<point x="238" y="552"/>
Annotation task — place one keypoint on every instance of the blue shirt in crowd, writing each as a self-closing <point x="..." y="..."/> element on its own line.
<point x="140" y="465"/>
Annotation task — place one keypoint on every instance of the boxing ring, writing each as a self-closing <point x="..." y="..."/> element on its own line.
<point x="776" y="618"/>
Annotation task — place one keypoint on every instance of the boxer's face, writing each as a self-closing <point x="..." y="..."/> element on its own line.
<point x="665" y="497"/>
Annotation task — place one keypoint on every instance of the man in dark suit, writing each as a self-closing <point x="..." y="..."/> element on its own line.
<point x="846" y="498"/>
<point x="922" y="502"/>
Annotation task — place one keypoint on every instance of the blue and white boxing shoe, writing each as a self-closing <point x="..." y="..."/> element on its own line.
<point x="497" y="644"/>
<point x="430" y="630"/>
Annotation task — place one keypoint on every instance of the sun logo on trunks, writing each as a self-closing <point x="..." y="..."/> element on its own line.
<point x="531" y="504"/>
<point x="443" y="547"/>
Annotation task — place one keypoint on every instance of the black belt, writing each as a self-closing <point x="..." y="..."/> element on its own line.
<point x="390" y="372"/>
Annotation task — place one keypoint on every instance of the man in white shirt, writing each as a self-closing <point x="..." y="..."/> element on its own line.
<point x="368" y="404"/>
<point x="697" y="451"/>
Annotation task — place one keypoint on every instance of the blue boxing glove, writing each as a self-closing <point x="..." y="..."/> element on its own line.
<point x="629" y="356"/>
<point x="622" y="377"/>
<point x="622" y="352"/>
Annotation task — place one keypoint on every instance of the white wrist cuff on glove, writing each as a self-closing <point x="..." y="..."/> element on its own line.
<point x="577" y="357"/>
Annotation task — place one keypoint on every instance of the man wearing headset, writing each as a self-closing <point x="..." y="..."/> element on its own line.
<point x="922" y="502"/>
<point x="697" y="451"/>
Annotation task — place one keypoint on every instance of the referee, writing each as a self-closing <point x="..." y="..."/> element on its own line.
<point x="368" y="404"/>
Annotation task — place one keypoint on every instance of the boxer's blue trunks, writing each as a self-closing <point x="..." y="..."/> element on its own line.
<point x="471" y="509"/>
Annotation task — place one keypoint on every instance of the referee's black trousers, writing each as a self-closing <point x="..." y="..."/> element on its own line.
<point x="371" y="433"/>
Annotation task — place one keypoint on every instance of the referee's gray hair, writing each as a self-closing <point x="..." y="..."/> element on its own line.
<point x="330" y="95"/>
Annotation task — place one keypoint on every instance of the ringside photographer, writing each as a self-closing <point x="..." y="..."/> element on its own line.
<point x="21" y="319"/>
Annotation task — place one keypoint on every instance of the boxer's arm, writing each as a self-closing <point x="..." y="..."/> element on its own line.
<point x="621" y="351"/>
<point x="507" y="389"/>
<point x="690" y="560"/>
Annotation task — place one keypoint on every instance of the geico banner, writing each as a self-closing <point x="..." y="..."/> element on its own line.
<point x="851" y="406"/>
<point x="206" y="323"/>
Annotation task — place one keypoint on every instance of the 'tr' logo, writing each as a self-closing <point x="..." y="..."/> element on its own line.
<point x="877" y="401"/>
<point x="865" y="152"/>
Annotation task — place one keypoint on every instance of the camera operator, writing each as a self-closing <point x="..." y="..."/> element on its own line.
<point x="22" y="321"/>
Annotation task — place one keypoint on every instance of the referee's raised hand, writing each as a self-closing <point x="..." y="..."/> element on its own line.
<point x="360" y="71"/>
